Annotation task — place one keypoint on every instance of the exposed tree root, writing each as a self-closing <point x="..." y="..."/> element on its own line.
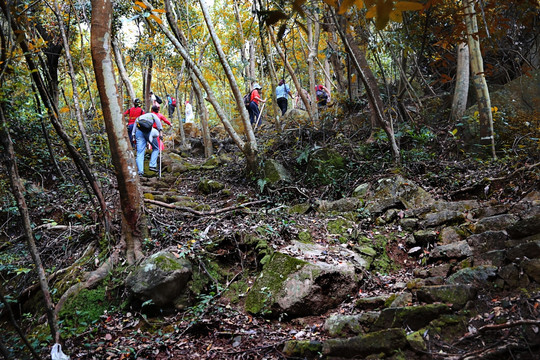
<point x="205" y="213"/>
<point x="92" y="278"/>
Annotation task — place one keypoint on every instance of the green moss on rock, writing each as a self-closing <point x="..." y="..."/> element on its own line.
<point x="270" y="281"/>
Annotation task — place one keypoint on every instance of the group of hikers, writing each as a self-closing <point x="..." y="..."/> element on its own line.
<point x="146" y="129"/>
<point x="282" y="97"/>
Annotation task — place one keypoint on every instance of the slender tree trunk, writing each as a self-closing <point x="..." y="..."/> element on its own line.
<point x="252" y="73"/>
<point x="479" y="79"/>
<point x="122" y="157"/>
<point x="243" y="42"/>
<point x="251" y="149"/>
<point x="18" y="193"/>
<point x="273" y="81"/>
<point x="313" y="50"/>
<point x="196" y="89"/>
<point x="368" y="79"/>
<point x="122" y="70"/>
<point x="292" y="74"/>
<point x="148" y="82"/>
<point x="76" y="101"/>
<point x="46" y="135"/>
<point x="461" y="91"/>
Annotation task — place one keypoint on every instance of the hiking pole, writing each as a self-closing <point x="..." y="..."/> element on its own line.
<point x="259" y="117"/>
<point x="160" y="150"/>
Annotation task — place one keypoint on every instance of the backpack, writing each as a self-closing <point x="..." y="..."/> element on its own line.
<point x="247" y="99"/>
<point x="321" y="95"/>
<point x="145" y="125"/>
<point x="158" y="99"/>
<point x="173" y="102"/>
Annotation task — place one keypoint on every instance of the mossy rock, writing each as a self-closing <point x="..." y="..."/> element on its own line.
<point x="299" y="208"/>
<point x="274" y="172"/>
<point x="270" y="282"/>
<point x="207" y="186"/>
<point x="414" y="317"/>
<point x="339" y="226"/>
<point x="385" y="342"/>
<point x="305" y="237"/>
<point x="303" y="348"/>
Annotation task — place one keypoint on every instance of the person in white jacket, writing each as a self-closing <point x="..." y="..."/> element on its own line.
<point x="189" y="113"/>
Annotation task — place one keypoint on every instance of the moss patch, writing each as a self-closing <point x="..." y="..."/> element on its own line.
<point x="84" y="309"/>
<point x="270" y="282"/>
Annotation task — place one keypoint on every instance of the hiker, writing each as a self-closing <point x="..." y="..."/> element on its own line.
<point x="153" y="100"/>
<point x="133" y="113"/>
<point x="154" y="134"/>
<point x="282" y="96"/>
<point x="298" y="103"/>
<point x="254" y="104"/>
<point x="323" y="95"/>
<point x="141" y="131"/>
<point x="189" y="113"/>
<point x="171" y="105"/>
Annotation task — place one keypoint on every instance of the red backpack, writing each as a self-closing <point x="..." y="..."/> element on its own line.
<point x="173" y="101"/>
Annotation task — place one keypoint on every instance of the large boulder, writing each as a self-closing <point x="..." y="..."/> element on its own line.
<point x="396" y="190"/>
<point x="300" y="288"/>
<point x="161" y="278"/>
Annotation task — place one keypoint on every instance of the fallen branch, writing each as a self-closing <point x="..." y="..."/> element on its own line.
<point x="204" y="213"/>
<point x="498" y="327"/>
<point x="525" y="167"/>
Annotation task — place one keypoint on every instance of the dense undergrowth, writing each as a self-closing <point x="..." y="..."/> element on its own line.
<point x="433" y="155"/>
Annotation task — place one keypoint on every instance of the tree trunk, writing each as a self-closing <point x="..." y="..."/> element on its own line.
<point x="122" y="157"/>
<point x="18" y="191"/>
<point x="461" y="91"/>
<point x="273" y="79"/>
<point x="479" y="79"/>
<point x="73" y="78"/>
<point x="313" y="49"/>
<point x="243" y="42"/>
<point x="148" y="83"/>
<point x="122" y="70"/>
<point x="251" y="141"/>
<point x="368" y="79"/>
<point x="292" y="75"/>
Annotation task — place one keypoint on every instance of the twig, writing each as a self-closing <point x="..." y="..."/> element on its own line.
<point x="525" y="167"/>
<point x="205" y="213"/>
<point x="498" y="327"/>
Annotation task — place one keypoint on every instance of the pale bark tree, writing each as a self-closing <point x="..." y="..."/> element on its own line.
<point x="122" y="70"/>
<point x="18" y="191"/>
<point x="313" y="47"/>
<point x="197" y="91"/>
<point x="461" y="90"/>
<point x="273" y="79"/>
<point x="133" y="217"/>
<point x="243" y="43"/>
<point x="73" y="77"/>
<point x="487" y="138"/>
<point x="251" y="141"/>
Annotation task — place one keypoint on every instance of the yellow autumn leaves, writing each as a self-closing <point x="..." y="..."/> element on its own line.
<point x="382" y="10"/>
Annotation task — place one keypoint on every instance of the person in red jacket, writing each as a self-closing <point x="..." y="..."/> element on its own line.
<point x="155" y="134"/>
<point x="133" y="113"/>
